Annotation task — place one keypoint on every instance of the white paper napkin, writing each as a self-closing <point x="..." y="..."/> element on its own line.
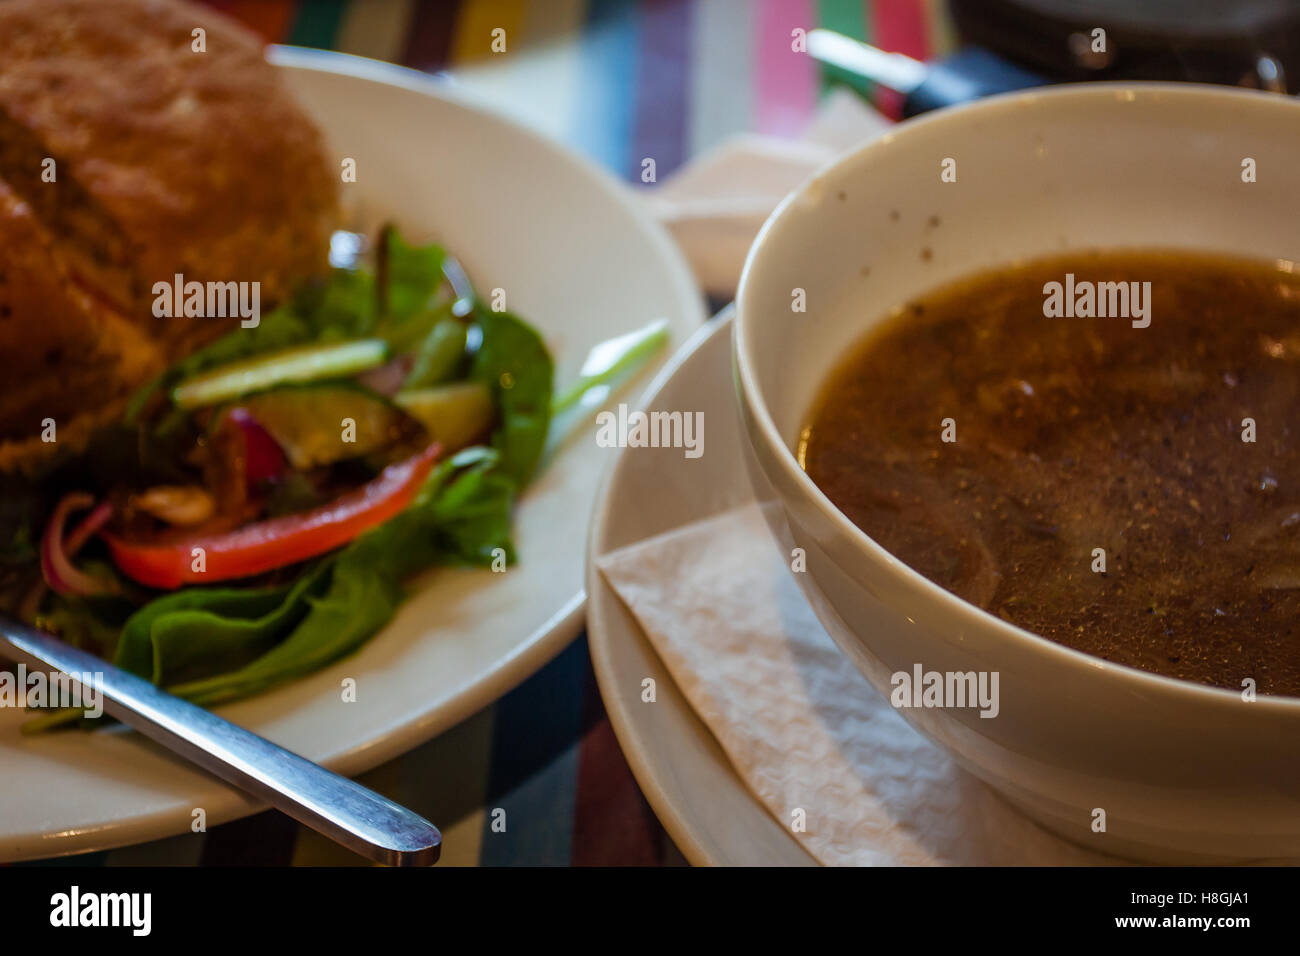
<point x="716" y="203"/>
<point x="801" y="727"/>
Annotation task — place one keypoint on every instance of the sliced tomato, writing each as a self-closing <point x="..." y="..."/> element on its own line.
<point x="267" y="545"/>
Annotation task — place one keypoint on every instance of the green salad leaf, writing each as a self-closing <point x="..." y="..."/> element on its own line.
<point x="199" y="632"/>
<point x="365" y="588"/>
<point x="413" y="276"/>
<point x="469" y="520"/>
<point x="512" y="360"/>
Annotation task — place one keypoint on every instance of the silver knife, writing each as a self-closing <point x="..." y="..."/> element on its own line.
<point x="358" y="818"/>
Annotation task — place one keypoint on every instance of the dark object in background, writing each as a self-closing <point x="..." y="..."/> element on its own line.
<point x="966" y="75"/>
<point x="1238" y="42"/>
<point x="970" y="73"/>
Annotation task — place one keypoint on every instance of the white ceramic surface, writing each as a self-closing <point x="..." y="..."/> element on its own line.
<point x="576" y="257"/>
<point x="1183" y="772"/>
<point x="711" y="815"/>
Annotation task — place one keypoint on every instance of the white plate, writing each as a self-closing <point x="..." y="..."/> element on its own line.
<point x="576" y="257"/>
<point x="706" y="808"/>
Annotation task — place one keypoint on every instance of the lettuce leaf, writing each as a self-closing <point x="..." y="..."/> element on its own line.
<point x="513" y="361"/>
<point x="200" y="632"/>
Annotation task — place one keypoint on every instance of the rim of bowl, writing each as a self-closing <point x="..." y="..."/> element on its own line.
<point x="993" y="107"/>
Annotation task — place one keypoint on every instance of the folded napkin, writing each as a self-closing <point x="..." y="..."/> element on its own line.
<point x="802" y="728"/>
<point x="716" y="203"/>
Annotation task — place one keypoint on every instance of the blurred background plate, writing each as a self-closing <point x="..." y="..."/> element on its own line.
<point x="576" y="257"/>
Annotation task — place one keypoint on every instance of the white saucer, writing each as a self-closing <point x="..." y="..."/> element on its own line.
<point x="706" y="808"/>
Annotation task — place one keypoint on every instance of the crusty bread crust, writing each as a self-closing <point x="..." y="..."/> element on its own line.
<point x="79" y="359"/>
<point x="168" y="161"/>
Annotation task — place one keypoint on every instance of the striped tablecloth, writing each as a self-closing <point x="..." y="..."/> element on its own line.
<point x="620" y="81"/>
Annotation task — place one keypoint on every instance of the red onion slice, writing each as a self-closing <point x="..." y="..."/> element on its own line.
<point x="264" y="460"/>
<point x="56" y="550"/>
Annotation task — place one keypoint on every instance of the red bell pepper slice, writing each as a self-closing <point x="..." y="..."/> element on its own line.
<point x="267" y="545"/>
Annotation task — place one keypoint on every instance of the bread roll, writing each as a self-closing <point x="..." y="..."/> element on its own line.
<point x="166" y="161"/>
<point x="70" y="360"/>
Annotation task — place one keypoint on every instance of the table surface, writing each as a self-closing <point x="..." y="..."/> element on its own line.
<point x="618" y="80"/>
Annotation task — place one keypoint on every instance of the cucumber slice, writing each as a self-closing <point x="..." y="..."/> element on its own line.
<point x="455" y="415"/>
<point x="302" y="364"/>
<point x="328" y="422"/>
<point x="441" y="352"/>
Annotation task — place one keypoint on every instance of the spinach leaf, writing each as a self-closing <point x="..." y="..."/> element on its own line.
<point x="363" y="594"/>
<point x="471" y="520"/>
<point x="414" y="276"/>
<point x="200" y="632"/>
<point x="135" y="651"/>
<point x="512" y="360"/>
<point x="344" y="307"/>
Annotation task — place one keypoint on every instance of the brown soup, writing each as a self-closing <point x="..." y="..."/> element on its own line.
<point x="996" y="449"/>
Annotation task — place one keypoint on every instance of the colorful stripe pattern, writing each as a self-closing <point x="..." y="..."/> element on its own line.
<point x="538" y="778"/>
